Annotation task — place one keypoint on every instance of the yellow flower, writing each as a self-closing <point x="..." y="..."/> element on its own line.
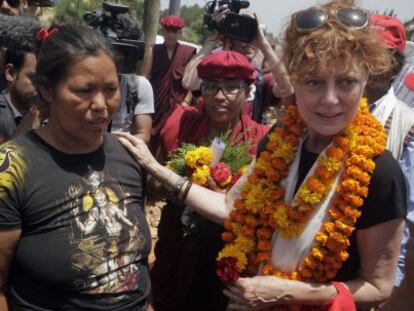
<point x="308" y="196"/>
<point x="292" y="231"/>
<point x="284" y="151"/>
<point x="256" y="198"/>
<point x="244" y="243"/>
<point x="231" y="250"/>
<point x="200" y="175"/>
<point x="280" y="217"/>
<point x="331" y="164"/>
<point x="199" y="157"/>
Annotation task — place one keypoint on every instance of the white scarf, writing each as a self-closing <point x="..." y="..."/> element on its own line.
<point x="288" y="254"/>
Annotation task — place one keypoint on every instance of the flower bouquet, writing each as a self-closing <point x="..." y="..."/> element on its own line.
<point x="217" y="164"/>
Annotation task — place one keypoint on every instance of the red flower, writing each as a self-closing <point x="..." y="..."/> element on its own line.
<point x="227" y="271"/>
<point x="221" y="174"/>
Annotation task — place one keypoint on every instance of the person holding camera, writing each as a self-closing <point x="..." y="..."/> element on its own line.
<point x="165" y="68"/>
<point x="303" y="223"/>
<point x="134" y="114"/>
<point x="278" y="85"/>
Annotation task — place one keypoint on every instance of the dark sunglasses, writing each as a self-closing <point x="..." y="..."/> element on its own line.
<point x="313" y="18"/>
<point x="13" y="3"/>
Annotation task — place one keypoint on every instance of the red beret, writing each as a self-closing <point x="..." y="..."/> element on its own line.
<point x="391" y="30"/>
<point x="172" y="21"/>
<point x="228" y="65"/>
<point x="409" y="81"/>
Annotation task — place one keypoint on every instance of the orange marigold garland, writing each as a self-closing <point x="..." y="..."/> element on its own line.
<point x="261" y="209"/>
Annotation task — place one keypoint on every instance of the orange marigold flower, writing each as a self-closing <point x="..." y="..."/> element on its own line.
<point x="264" y="246"/>
<point x="279" y="164"/>
<point x="293" y="111"/>
<point x="335" y="153"/>
<point x="238" y="204"/>
<point x="346" y="229"/>
<point x="277" y="194"/>
<point x="251" y="221"/>
<point x="315" y="185"/>
<point x="227" y="236"/>
<point x="267" y="269"/>
<point x="321" y="238"/>
<point x="317" y="253"/>
<point x="295" y="129"/>
<point x="288" y="120"/>
<point x="353" y="199"/>
<point x="292" y="139"/>
<point x="310" y="263"/>
<point x="343" y="255"/>
<point x="324" y="174"/>
<point x="266" y="156"/>
<point x="334" y="213"/>
<point x="352" y="212"/>
<point x="264" y="234"/>
<point x="263" y="256"/>
<point x="329" y="227"/>
<point x="248" y="231"/>
<point x="228" y="225"/>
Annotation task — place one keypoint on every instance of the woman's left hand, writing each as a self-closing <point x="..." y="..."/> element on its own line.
<point x="255" y="293"/>
<point x="139" y="150"/>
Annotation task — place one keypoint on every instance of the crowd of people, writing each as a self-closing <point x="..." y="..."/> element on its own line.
<point x="321" y="219"/>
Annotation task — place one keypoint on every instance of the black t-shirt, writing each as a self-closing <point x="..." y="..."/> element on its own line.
<point x="386" y="201"/>
<point x="85" y="240"/>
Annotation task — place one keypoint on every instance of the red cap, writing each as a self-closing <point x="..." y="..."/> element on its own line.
<point x="391" y="30"/>
<point x="409" y="81"/>
<point x="172" y="21"/>
<point x="228" y="65"/>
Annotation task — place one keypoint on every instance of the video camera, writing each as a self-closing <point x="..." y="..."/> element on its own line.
<point x="121" y="30"/>
<point x="233" y="26"/>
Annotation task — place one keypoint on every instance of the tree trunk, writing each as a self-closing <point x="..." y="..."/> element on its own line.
<point x="174" y="7"/>
<point x="151" y="18"/>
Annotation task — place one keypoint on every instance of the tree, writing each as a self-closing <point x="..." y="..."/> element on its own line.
<point x="73" y="11"/>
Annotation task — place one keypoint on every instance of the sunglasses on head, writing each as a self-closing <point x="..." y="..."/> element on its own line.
<point x="13" y="3"/>
<point x="314" y="18"/>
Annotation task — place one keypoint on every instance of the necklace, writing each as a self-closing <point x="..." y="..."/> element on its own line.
<point x="261" y="210"/>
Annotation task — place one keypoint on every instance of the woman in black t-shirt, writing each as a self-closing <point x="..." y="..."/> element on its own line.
<point x="323" y="202"/>
<point x="73" y="235"/>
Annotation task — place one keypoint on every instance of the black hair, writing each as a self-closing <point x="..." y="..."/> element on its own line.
<point x="16" y="58"/>
<point x="19" y="32"/>
<point x="68" y="43"/>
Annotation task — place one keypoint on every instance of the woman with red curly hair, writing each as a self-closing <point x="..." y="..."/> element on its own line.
<point x="303" y="222"/>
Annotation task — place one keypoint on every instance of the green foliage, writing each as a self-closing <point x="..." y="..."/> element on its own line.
<point x="235" y="155"/>
<point x="73" y="10"/>
<point x="195" y="31"/>
<point x="177" y="162"/>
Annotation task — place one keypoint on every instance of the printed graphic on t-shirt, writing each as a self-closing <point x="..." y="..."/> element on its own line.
<point x="105" y="238"/>
<point x="12" y="169"/>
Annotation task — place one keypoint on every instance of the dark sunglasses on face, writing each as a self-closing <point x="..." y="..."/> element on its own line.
<point x="229" y="88"/>
<point x="314" y="18"/>
<point x="13" y="3"/>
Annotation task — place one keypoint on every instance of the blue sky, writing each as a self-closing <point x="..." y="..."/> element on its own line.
<point x="275" y="13"/>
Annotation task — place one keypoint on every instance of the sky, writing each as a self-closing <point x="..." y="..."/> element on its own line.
<point x="275" y="13"/>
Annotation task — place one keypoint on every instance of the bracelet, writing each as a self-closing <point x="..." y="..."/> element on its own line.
<point x="179" y="186"/>
<point x="185" y="192"/>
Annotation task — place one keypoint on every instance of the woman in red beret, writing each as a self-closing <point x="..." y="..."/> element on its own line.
<point x="316" y="222"/>
<point x="164" y="66"/>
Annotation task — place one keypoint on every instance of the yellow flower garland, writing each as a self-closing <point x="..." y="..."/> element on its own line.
<point x="261" y="210"/>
